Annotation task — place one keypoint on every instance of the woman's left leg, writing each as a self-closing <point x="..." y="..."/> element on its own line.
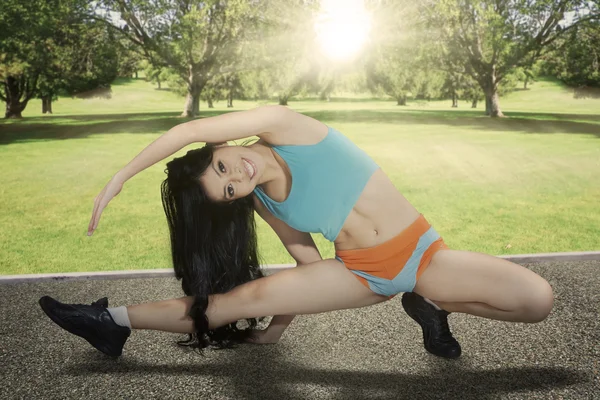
<point x="485" y="286"/>
<point x="319" y="287"/>
<point x="306" y="289"/>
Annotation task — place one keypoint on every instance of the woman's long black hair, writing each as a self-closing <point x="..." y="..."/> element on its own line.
<point x="214" y="245"/>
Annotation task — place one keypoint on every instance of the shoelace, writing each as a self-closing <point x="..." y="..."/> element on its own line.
<point x="441" y="326"/>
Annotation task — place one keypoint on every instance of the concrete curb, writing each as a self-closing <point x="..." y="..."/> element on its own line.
<point x="267" y="268"/>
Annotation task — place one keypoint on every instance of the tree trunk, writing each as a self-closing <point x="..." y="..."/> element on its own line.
<point x="14" y="107"/>
<point x="136" y="74"/>
<point x="13" y="111"/>
<point x="230" y="99"/>
<point x="492" y="101"/>
<point x="210" y="103"/>
<point x="526" y="81"/>
<point x="325" y="96"/>
<point x="158" y="81"/>
<point x="401" y="100"/>
<point x="283" y="101"/>
<point x="454" y="100"/>
<point x="192" y="100"/>
<point x="326" y="92"/>
<point x="192" y="105"/>
<point x="47" y="104"/>
<point x="474" y="103"/>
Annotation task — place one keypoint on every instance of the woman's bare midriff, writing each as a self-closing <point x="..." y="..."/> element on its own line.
<point x="379" y="215"/>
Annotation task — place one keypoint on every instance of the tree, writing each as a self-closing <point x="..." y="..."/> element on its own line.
<point x="214" y="90"/>
<point x="575" y="58"/>
<point x="283" y="60"/>
<point x="492" y="37"/>
<point x="83" y="59"/>
<point x="352" y="81"/>
<point x="232" y="86"/>
<point x="390" y="74"/>
<point x="453" y="87"/>
<point x="191" y="37"/>
<point x="153" y="73"/>
<point x="47" y="47"/>
<point x="255" y="84"/>
<point x="402" y="68"/>
<point x="24" y="39"/>
<point x="472" y="91"/>
<point x="322" y="78"/>
<point x="397" y="59"/>
<point x="426" y="80"/>
<point x="131" y="58"/>
<point x="390" y="56"/>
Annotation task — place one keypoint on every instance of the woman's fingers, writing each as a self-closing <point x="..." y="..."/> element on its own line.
<point x="99" y="213"/>
<point x="111" y="189"/>
<point x="94" y="219"/>
<point x="91" y="224"/>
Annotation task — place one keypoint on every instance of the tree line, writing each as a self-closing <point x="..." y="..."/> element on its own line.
<point x="237" y="49"/>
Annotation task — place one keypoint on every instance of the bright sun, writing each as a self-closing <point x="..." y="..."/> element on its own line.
<point x="342" y="28"/>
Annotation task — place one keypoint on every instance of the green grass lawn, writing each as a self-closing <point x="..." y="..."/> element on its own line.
<point x="524" y="184"/>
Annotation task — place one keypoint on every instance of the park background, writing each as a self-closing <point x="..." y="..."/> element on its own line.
<point x="485" y="114"/>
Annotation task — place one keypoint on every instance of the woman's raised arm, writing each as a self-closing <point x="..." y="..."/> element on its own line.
<point x="262" y="121"/>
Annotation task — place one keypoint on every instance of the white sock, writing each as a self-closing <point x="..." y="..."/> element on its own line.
<point x="432" y="303"/>
<point x="119" y="314"/>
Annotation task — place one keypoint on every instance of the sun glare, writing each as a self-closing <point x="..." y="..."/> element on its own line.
<point x="342" y="28"/>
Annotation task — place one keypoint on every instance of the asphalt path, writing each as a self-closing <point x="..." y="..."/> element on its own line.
<point x="369" y="353"/>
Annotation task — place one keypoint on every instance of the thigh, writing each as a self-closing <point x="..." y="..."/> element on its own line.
<point x="322" y="286"/>
<point x="463" y="276"/>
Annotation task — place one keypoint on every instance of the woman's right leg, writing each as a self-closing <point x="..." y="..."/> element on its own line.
<point x="485" y="286"/>
<point x="307" y="289"/>
<point x="166" y="315"/>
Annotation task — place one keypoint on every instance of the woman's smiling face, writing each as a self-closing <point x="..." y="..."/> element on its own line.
<point x="234" y="173"/>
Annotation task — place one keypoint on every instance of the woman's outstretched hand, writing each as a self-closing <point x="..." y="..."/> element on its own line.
<point x="112" y="188"/>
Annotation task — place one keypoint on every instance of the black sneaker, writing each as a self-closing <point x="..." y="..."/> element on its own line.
<point x="437" y="337"/>
<point x="93" y="323"/>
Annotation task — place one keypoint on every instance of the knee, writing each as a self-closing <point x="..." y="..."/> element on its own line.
<point x="540" y="302"/>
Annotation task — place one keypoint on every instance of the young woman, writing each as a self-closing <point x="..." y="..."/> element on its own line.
<point x="301" y="176"/>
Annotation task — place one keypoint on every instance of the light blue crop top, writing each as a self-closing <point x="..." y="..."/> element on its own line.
<point x="327" y="180"/>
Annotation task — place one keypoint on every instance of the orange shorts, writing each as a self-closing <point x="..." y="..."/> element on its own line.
<point x="396" y="265"/>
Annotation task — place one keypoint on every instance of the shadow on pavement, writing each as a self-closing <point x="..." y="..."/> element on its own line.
<point x="276" y="377"/>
